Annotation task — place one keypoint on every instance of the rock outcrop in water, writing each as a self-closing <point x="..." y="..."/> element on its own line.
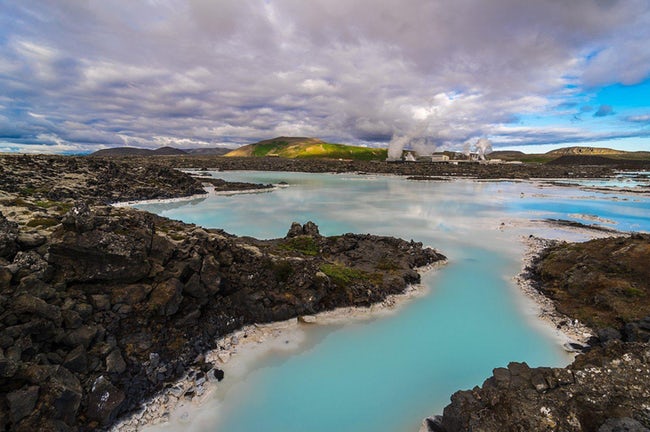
<point x="111" y="304"/>
<point x="605" y="284"/>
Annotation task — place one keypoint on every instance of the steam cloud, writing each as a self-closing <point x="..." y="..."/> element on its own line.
<point x="482" y="146"/>
<point x="396" y="146"/>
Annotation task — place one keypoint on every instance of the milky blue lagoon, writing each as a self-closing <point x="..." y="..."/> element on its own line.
<point x="387" y="373"/>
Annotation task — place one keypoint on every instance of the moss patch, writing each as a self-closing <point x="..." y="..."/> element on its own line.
<point x="43" y="222"/>
<point x="342" y="275"/>
<point x="304" y="244"/>
<point x="602" y="282"/>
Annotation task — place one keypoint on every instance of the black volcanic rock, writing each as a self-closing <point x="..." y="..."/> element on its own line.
<point x="118" y="302"/>
<point x="602" y="387"/>
<point x="22" y="402"/>
<point x="44" y="182"/>
<point x="104" y="401"/>
<point x="116" y="253"/>
<point x="605" y="284"/>
<point x="422" y="170"/>
<point x="8" y="238"/>
<point x="309" y="229"/>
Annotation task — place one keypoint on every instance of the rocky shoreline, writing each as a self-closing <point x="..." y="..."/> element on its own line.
<point x="423" y="171"/>
<point x="60" y="179"/>
<point x="573" y="332"/>
<point x="607" y="387"/>
<point x="195" y="388"/>
<point x="102" y="307"/>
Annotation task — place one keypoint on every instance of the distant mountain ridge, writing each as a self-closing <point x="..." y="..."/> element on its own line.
<point x="579" y="150"/>
<point x="211" y="151"/>
<point x="575" y="155"/>
<point x="162" y="151"/>
<point x="305" y="147"/>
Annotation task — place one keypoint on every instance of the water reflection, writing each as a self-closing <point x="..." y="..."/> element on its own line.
<point x="386" y="374"/>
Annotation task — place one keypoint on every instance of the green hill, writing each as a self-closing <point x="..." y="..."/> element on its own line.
<point x="579" y="150"/>
<point x="304" y="148"/>
<point x="592" y="152"/>
<point x="577" y="153"/>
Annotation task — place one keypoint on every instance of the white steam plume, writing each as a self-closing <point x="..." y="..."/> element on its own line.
<point x="483" y="147"/>
<point x="424" y="146"/>
<point x="467" y="148"/>
<point x="396" y="146"/>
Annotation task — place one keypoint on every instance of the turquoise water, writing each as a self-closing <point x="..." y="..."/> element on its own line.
<point x="628" y="179"/>
<point x="387" y="373"/>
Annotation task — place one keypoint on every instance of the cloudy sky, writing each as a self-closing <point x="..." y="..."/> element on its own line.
<point x="80" y="75"/>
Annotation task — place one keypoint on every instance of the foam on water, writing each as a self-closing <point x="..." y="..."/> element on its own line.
<point x="387" y="373"/>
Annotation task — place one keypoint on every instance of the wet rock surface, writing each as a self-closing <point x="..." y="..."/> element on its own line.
<point x="111" y="305"/>
<point x="605" y="283"/>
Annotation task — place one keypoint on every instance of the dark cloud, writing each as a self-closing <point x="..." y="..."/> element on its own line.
<point x="604" y="111"/>
<point x="82" y="75"/>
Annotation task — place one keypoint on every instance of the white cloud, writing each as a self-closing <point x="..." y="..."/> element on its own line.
<point x="349" y="70"/>
<point x="642" y="118"/>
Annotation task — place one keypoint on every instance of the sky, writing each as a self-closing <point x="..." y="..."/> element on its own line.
<point x="530" y="75"/>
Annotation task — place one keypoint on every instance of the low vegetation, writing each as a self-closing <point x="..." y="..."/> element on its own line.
<point x="307" y="148"/>
<point x="603" y="282"/>
<point x="342" y="275"/>
<point x="44" y="222"/>
<point x="303" y="244"/>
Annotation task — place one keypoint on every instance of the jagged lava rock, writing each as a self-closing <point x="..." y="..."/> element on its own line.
<point x="606" y="284"/>
<point x="117" y="302"/>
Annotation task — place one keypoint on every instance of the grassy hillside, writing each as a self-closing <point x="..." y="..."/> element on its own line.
<point x="579" y="150"/>
<point x="571" y="152"/>
<point x="604" y="152"/>
<point x="305" y="148"/>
